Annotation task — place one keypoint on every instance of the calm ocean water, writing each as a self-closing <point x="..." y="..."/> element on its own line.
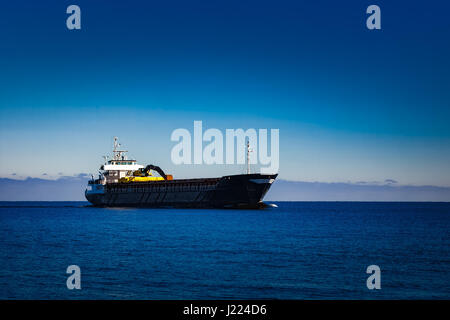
<point x="300" y="250"/>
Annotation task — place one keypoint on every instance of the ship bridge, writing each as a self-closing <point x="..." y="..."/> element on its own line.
<point x="122" y="165"/>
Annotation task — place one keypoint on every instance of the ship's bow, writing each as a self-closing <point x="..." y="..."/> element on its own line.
<point x="243" y="191"/>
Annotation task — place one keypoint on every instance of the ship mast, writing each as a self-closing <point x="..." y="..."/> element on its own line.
<point x="248" y="156"/>
<point x="117" y="154"/>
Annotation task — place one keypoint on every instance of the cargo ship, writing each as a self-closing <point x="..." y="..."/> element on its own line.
<point x="125" y="183"/>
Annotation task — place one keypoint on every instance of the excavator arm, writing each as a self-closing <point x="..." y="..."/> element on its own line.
<point x="156" y="168"/>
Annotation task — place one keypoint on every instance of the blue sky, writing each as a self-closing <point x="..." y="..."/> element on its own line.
<point x="351" y="104"/>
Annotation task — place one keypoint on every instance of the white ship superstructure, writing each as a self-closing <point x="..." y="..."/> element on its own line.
<point x="119" y="166"/>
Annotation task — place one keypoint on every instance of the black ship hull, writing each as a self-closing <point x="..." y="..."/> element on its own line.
<point x="236" y="191"/>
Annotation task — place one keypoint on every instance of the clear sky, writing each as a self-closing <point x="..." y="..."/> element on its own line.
<point x="351" y="104"/>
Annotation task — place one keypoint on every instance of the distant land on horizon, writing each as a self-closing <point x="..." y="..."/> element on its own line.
<point x="71" y="188"/>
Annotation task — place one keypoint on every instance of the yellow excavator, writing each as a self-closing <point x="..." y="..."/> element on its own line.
<point x="145" y="174"/>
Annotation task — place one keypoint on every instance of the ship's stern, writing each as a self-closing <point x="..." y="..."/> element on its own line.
<point x="95" y="193"/>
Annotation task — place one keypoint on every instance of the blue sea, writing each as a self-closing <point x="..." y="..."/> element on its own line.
<point x="299" y="250"/>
